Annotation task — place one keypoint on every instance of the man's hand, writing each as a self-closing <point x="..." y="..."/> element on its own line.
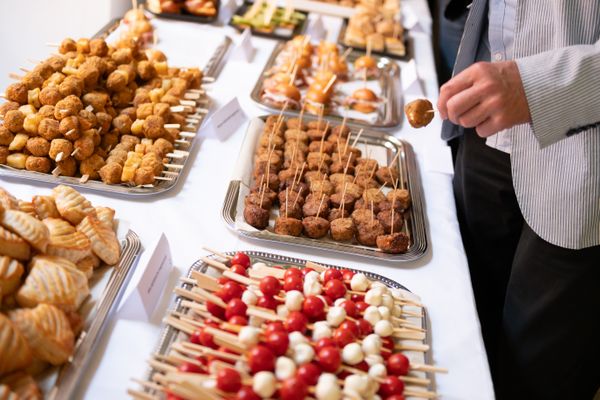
<point x="486" y="96"/>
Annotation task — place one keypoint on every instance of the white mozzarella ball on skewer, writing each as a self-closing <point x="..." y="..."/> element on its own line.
<point x="327" y="388"/>
<point x="372" y="359"/>
<point x="255" y="321"/>
<point x="293" y="300"/>
<point x="312" y="276"/>
<point x="339" y="302"/>
<point x="372" y="344"/>
<point x="282" y="311"/>
<point x="377" y="371"/>
<point x="259" y="265"/>
<point x="384" y="328"/>
<point x="372" y="315"/>
<point x="284" y="368"/>
<point x="249" y="336"/>
<point x="397" y="310"/>
<point x="373" y="297"/>
<point x="303" y="353"/>
<point x="384" y="312"/>
<point x="249" y="297"/>
<point x="264" y="384"/>
<point x="387" y="301"/>
<point x="356" y="385"/>
<point x="296" y="338"/>
<point x="336" y="315"/>
<point x="359" y="282"/>
<point x="312" y="288"/>
<point x="240" y="365"/>
<point x="352" y="353"/>
<point x="321" y="330"/>
<point x="379" y="287"/>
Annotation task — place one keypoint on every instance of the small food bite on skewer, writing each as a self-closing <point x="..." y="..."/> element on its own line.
<point x="419" y="113"/>
<point x="366" y="66"/>
<point x="363" y="100"/>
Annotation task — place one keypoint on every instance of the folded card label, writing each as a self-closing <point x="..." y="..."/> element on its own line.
<point x="243" y="50"/>
<point x="225" y="121"/>
<point x="317" y="30"/>
<point x="411" y="84"/>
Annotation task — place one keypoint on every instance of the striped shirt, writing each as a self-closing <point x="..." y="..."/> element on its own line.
<point x="555" y="160"/>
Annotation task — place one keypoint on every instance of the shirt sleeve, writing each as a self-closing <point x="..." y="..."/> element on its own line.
<point x="562" y="87"/>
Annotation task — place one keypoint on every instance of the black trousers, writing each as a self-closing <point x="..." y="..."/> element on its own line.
<point x="539" y="304"/>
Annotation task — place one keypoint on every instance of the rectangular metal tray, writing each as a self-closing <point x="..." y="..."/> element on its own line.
<point x="389" y="145"/>
<point x="67" y="377"/>
<point x="297" y="30"/>
<point x="389" y="116"/>
<point x="170" y="334"/>
<point x="408" y="45"/>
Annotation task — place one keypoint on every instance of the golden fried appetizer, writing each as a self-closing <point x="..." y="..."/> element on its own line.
<point x="23" y="386"/>
<point x="12" y="245"/>
<point x="14" y="351"/>
<point x="106" y="215"/>
<point x="87" y="265"/>
<point x="55" y="281"/>
<point x="47" y="331"/>
<point x="71" y="205"/>
<point x="66" y="241"/>
<point x="10" y="275"/>
<point x="8" y="201"/>
<point x="26" y="226"/>
<point x="27" y="207"/>
<point x="104" y="240"/>
<point x="44" y="207"/>
<point x="419" y="113"/>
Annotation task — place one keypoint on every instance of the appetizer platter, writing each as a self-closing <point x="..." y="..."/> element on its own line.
<point x="252" y="325"/>
<point x="330" y="82"/>
<point x="202" y="11"/>
<point x="63" y="268"/>
<point x="268" y="20"/>
<point x="337" y="188"/>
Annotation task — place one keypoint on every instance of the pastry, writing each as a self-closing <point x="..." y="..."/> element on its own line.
<point x="26" y="226"/>
<point x="7" y="394"/>
<point x="13" y="246"/>
<point x="45" y="207"/>
<point x="104" y="240"/>
<point x="23" y="386"/>
<point x="87" y="264"/>
<point x="10" y="275"/>
<point x="27" y="207"/>
<point x="8" y="201"/>
<point x="66" y="241"/>
<point x="47" y="331"/>
<point x="106" y="215"/>
<point x="55" y="281"/>
<point x="14" y="351"/>
<point x="71" y="205"/>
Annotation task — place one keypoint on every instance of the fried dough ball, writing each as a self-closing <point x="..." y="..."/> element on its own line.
<point x="6" y="136"/>
<point x="129" y="142"/>
<point x="94" y="135"/>
<point x="49" y="96"/>
<point x="71" y="86"/>
<point x="91" y="166"/>
<point x="38" y="146"/>
<point x="58" y="146"/>
<point x="89" y="74"/>
<point x="56" y="62"/>
<point x="98" y="47"/>
<point x="400" y="195"/>
<point x="67" y="45"/>
<point x="395" y="243"/>
<point x="256" y="216"/>
<point x="111" y="173"/>
<point x="162" y="147"/>
<point x="315" y="227"/>
<point x="368" y="231"/>
<point x="104" y="121"/>
<point x="17" y="92"/>
<point x="49" y="129"/>
<point x="87" y="120"/>
<point x="385" y="218"/>
<point x="38" y="164"/>
<point x="122" y="56"/>
<point x="122" y="124"/>
<point x="141" y="96"/>
<point x="13" y="121"/>
<point x="146" y="70"/>
<point x="117" y="81"/>
<point x="97" y="100"/>
<point x="419" y="113"/>
<point x="69" y="127"/>
<point x="143" y="176"/>
<point x="70" y="105"/>
<point x="32" y="80"/>
<point x="154" y="127"/>
<point x="122" y="98"/>
<point x="288" y="226"/>
<point x="8" y="106"/>
<point x="46" y="112"/>
<point x="342" y="229"/>
<point x="152" y="161"/>
<point x="84" y="147"/>
<point x="144" y="110"/>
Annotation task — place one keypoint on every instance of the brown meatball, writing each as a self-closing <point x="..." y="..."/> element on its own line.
<point x="6" y="136"/>
<point x="368" y="231"/>
<point x="94" y="135"/>
<point x="49" y="96"/>
<point x="146" y="70"/>
<point x="8" y="106"/>
<point x="293" y="210"/>
<point x="143" y="176"/>
<point x="255" y="198"/>
<point x="69" y="127"/>
<point x="372" y="206"/>
<point x="315" y="135"/>
<point x="97" y="100"/>
<point x="272" y="181"/>
<point x="17" y="92"/>
<point x="294" y="123"/>
<point x="84" y="148"/>
<point x="70" y="105"/>
<point x="56" y="62"/>
<point x="341" y="131"/>
<point x="91" y="166"/>
<point x="340" y="179"/>
<point x="46" y="111"/>
<point x="318" y="125"/>
<point x="316" y="147"/>
<point x="256" y="216"/>
<point x="387" y="205"/>
<point x="58" y="146"/>
<point x="87" y="120"/>
<point x="271" y="194"/>
<point x="419" y="113"/>
<point x="315" y="227"/>
<point x="67" y="166"/>
<point x="117" y="81"/>
<point x="288" y="226"/>
<point x="111" y="173"/>
<point x="109" y="140"/>
<point x="98" y="47"/>
<point x="162" y="147"/>
<point x="336" y="213"/>
<point x="341" y="167"/>
<point x="367" y="183"/>
<point x="122" y="56"/>
<point x="385" y="218"/>
<point x="38" y="164"/>
<point x="33" y="80"/>
<point x="67" y="45"/>
<point x="3" y="154"/>
<point x="342" y="229"/>
<point x="38" y="146"/>
<point x="394" y="243"/>
<point x="104" y="121"/>
<point x="122" y="124"/>
<point x="152" y="161"/>
<point x="292" y="196"/>
<point x="144" y="110"/>
<point x="162" y="110"/>
<point x="129" y="142"/>
<point x="400" y="195"/>
<point x="312" y="207"/>
<point x="373" y="195"/>
<point x="71" y="86"/>
<point x="117" y="155"/>
<point x="337" y="200"/>
<point x="311" y="176"/>
<point x="322" y="186"/>
<point x="13" y="121"/>
<point x="141" y="96"/>
<point x="43" y="69"/>
<point x="122" y="99"/>
<point x="387" y="175"/>
<point x="362" y="215"/>
<point x="89" y="74"/>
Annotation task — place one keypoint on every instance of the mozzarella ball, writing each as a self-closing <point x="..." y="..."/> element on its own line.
<point x="377" y="371"/>
<point x="322" y="276"/>
<point x="355" y="384"/>
<point x="373" y="359"/>
<point x="352" y="354"/>
<point x="372" y="315"/>
<point x="282" y="311"/>
<point x="327" y="388"/>
<point x="296" y="338"/>
<point x="249" y="297"/>
<point x="312" y="287"/>
<point x="255" y="321"/>
<point x="303" y="353"/>
<point x="397" y="310"/>
<point x="284" y="368"/>
<point x="338" y="302"/>
<point x="321" y="330"/>
<point x="259" y="265"/>
<point x="239" y="365"/>
<point x="383" y="328"/>
<point x="384" y="312"/>
<point x="264" y="384"/>
<point x="380" y="287"/>
<point x="373" y="298"/>
<point x="249" y="336"/>
<point x="293" y="300"/>
<point x="387" y="301"/>
<point x="359" y="282"/>
<point x="312" y="276"/>
<point x="372" y="344"/>
<point x="336" y="315"/>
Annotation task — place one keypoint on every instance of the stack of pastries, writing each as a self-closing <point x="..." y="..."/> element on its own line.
<point x="49" y="248"/>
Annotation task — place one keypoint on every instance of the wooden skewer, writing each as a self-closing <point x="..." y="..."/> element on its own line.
<point x="357" y="137"/>
<point x="186" y="134"/>
<point x="329" y="84"/>
<point x="190" y="103"/>
<point x="222" y="255"/>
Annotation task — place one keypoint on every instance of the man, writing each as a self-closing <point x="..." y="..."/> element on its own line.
<point x="527" y="188"/>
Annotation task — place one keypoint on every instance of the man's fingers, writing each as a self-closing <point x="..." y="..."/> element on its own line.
<point x="462" y="102"/>
<point x="476" y="115"/>
<point x="487" y="128"/>
<point x="460" y="82"/>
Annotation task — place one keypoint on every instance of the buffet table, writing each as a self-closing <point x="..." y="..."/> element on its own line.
<point x="189" y="215"/>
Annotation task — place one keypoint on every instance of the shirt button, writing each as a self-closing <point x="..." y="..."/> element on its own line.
<point x="498" y="56"/>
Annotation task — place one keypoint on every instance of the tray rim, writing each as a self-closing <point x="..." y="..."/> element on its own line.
<point x="169" y="334"/>
<point x="418" y="217"/>
<point x="298" y="30"/>
<point x="392" y="75"/>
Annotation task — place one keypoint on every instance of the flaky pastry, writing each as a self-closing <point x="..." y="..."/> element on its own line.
<point x="26" y="226"/>
<point x="104" y="240"/>
<point x="14" y="351"/>
<point x="10" y="275"/>
<point x="71" y="205"/>
<point x="66" y="241"/>
<point x="13" y="246"/>
<point x="45" y="207"/>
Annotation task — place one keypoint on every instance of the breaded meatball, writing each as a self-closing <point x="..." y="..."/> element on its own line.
<point x="128" y="142"/>
<point x="70" y="105"/>
<point x="84" y="147"/>
<point x="72" y="85"/>
<point x="292" y="210"/>
<point x="87" y="120"/>
<point x="56" y="62"/>
<point x="288" y="226"/>
<point x="336" y="213"/>
<point x="58" y="146"/>
<point x="69" y="127"/>
<point x="170" y="99"/>
<point x="394" y="243"/>
<point x="122" y="98"/>
<point x="38" y="164"/>
<point x="368" y="231"/>
<point x="122" y="124"/>
<point x="130" y="112"/>
<point x="17" y="92"/>
<point x="315" y="227"/>
<point x="141" y="96"/>
<point x="162" y="147"/>
<point x="154" y="127"/>
<point x="13" y="121"/>
<point x="362" y="215"/>
<point x="97" y="100"/>
<point x="117" y="81"/>
<point x="146" y="70"/>
<point x="98" y="47"/>
<point x="46" y="112"/>
<point x="144" y="110"/>
<point x="111" y="173"/>
<point x="67" y="45"/>
<point x="91" y="166"/>
<point x="152" y="161"/>
<point x="109" y="140"/>
<point x="33" y="80"/>
<point x="385" y="218"/>
<point x="94" y="135"/>
<point x="104" y="121"/>
<point x="313" y="207"/>
<point x="8" y="106"/>
<point x="322" y="186"/>
<point x="49" y="96"/>
<point x="342" y="229"/>
<point x="67" y="166"/>
<point x="143" y="176"/>
<point x="122" y="56"/>
<point x="6" y="136"/>
<point x="400" y="195"/>
<point x="83" y="45"/>
<point x="38" y="146"/>
<point x="256" y="216"/>
<point x="387" y="175"/>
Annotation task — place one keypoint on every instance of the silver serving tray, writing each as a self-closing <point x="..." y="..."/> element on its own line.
<point x="69" y="374"/>
<point x="388" y="114"/>
<point x="389" y="145"/>
<point x="170" y="334"/>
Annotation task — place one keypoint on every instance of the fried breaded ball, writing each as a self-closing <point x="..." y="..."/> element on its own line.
<point x="6" y="136"/>
<point x="117" y="81"/>
<point x="72" y="85"/>
<point x="67" y="45"/>
<point x="32" y="80"/>
<point x="122" y="56"/>
<point x="111" y="173"/>
<point x="152" y="161"/>
<point x="58" y="146"/>
<point x="146" y="70"/>
<point x="104" y="121"/>
<point x="162" y="147"/>
<point x="3" y="154"/>
<point x="129" y="142"/>
<point x="13" y="121"/>
<point x="143" y="176"/>
<point x="91" y="166"/>
<point x="38" y="164"/>
<point x="38" y="146"/>
<point x="70" y="105"/>
<point x="46" y="111"/>
<point x="17" y="92"/>
<point x="154" y="127"/>
<point x="98" y="47"/>
<point x="69" y="127"/>
<point x="8" y="106"/>
<point x="122" y="124"/>
<point x="84" y="146"/>
<point x="67" y="166"/>
<point x="49" y="96"/>
<point x="89" y="74"/>
<point x="56" y="62"/>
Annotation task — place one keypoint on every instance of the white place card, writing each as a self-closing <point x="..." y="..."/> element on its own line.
<point x="243" y="50"/>
<point x="227" y="9"/>
<point x="410" y="20"/>
<point x="147" y="286"/>
<point x="316" y="29"/>
<point x="411" y="84"/>
<point x="225" y="121"/>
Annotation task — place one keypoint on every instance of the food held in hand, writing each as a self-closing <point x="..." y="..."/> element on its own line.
<point x="419" y="113"/>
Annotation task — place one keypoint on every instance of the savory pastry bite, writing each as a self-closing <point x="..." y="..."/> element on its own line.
<point x="66" y="241"/>
<point x="104" y="240"/>
<point x="363" y="100"/>
<point x="106" y="215"/>
<point x="8" y="201"/>
<point x="13" y="245"/>
<point x="71" y="204"/>
<point x="10" y="275"/>
<point x="15" y="353"/>
<point x="419" y="113"/>
<point x="88" y="264"/>
<point x="22" y="385"/>
<point x="281" y="94"/>
<point x="27" y="227"/>
<point x="47" y="331"/>
<point x="44" y="207"/>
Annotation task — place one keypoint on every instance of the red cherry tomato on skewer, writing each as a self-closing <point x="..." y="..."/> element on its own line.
<point x="361" y="306"/>
<point x="239" y="269"/>
<point x="296" y="321"/>
<point x="231" y="290"/>
<point x="267" y="302"/>
<point x="364" y="327"/>
<point x="357" y="297"/>
<point x="309" y="373"/>
<point x="347" y="274"/>
<point x="235" y="307"/>
<point x="189" y="367"/>
<point x="274" y="326"/>
<point x="324" y="342"/>
<point x="238" y="320"/>
<point x="229" y="380"/>
<point x="292" y="272"/>
<point x="269" y="286"/>
<point x="350" y="308"/>
<point x="343" y="337"/>
<point x="314" y="308"/>
<point x="261" y="358"/>
<point x="293" y="282"/>
<point x="241" y="259"/>
<point x="246" y="393"/>
<point x="329" y="358"/>
<point x="398" y="364"/>
<point x="332" y="273"/>
<point x="306" y="270"/>
<point x="215" y="310"/>
<point x="391" y="386"/>
<point x="293" y="388"/>
<point x="278" y="341"/>
<point x="350" y="326"/>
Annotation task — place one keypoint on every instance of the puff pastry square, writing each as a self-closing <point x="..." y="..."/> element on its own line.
<point x="10" y="275"/>
<point x="66" y="241"/>
<point x="29" y="228"/>
<point x="104" y="240"/>
<point x="13" y="246"/>
<point x="14" y="351"/>
<point x="71" y="205"/>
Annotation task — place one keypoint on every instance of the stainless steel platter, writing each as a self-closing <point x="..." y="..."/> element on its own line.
<point x="170" y="334"/>
<point x="382" y="147"/>
<point x="388" y="114"/>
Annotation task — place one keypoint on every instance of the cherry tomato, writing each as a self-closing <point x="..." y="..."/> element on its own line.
<point x="195" y="337"/>
<point x="350" y="326"/>
<point x="395" y="397"/>
<point x="189" y="367"/>
<point x="363" y="366"/>
<point x="314" y="308"/>
<point x="238" y="269"/>
<point x="306" y="270"/>
<point x="398" y="364"/>
<point x="215" y="310"/>
<point x="235" y="307"/>
<point x="267" y="302"/>
<point x="332" y="273"/>
<point x="296" y="321"/>
<point x="274" y="326"/>
<point x="361" y="306"/>
<point x="231" y="290"/>
<point x="293" y="282"/>
<point x="328" y="300"/>
<point x="278" y="267"/>
<point x="364" y="327"/>
<point x="241" y="259"/>
<point x="261" y="358"/>
<point x="343" y="337"/>
<point x="292" y="272"/>
<point x="388" y="343"/>
<point x="335" y="289"/>
<point x="357" y="297"/>
<point x="309" y="373"/>
<point x="246" y="393"/>
<point x="278" y="342"/>
<point x="347" y="274"/>
<point x="324" y="342"/>
<point x="171" y="396"/>
<point x="329" y="358"/>
<point x="238" y="320"/>
<point x="293" y="388"/>
<point x="204" y="338"/>
<point x="229" y="380"/>
<point x="350" y="308"/>
<point x="269" y="286"/>
<point x="223" y="280"/>
<point x="390" y="386"/>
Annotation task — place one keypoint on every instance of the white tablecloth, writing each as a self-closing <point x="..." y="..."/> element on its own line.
<point x="190" y="217"/>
